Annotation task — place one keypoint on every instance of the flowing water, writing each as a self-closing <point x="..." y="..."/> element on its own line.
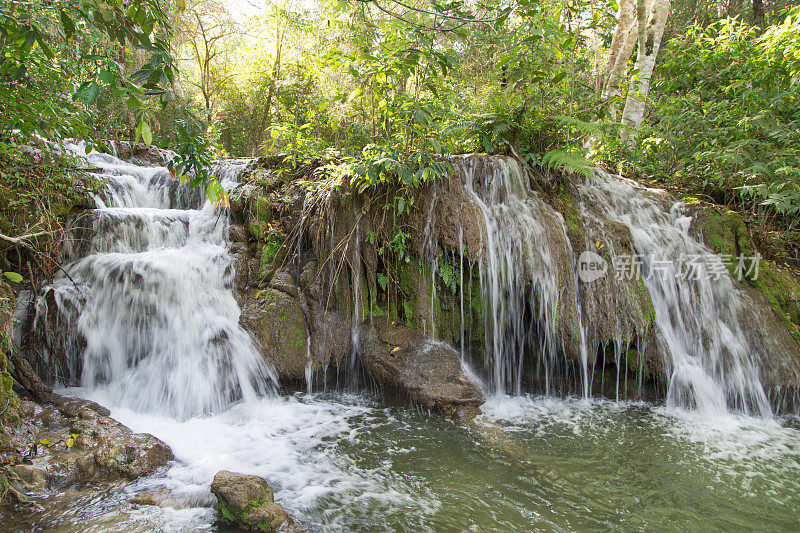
<point x="711" y="365"/>
<point x="352" y="463"/>
<point x="151" y="295"/>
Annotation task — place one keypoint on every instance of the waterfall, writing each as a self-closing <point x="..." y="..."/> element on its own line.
<point x="529" y="281"/>
<point x="148" y="311"/>
<point x="709" y="363"/>
<point x="518" y="271"/>
<point x="150" y="293"/>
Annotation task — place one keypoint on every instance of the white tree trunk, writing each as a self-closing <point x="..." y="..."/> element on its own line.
<point x="622" y="45"/>
<point x="649" y="44"/>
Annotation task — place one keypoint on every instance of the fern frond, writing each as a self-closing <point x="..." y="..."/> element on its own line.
<point x="580" y="126"/>
<point x="568" y="161"/>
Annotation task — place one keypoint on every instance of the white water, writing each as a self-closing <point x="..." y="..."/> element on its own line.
<point x="517" y="251"/>
<point x="165" y="353"/>
<point x="153" y="299"/>
<point x="709" y="362"/>
<point x="345" y="463"/>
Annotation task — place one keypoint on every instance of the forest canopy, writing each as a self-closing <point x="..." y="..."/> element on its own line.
<point x="698" y="94"/>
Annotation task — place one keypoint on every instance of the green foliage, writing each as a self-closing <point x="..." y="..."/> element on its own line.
<point x="727" y="102"/>
<point x="37" y="189"/>
<point x="569" y="161"/>
<point x="194" y="160"/>
<point x="448" y="273"/>
<point x="64" y="62"/>
<point x="380" y="166"/>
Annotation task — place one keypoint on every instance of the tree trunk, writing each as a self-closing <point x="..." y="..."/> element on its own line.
<point x="649" y="44"/>
<point x="276" y="69"/>
<point x="758" y="13"/>
<point x="622" y="45"/>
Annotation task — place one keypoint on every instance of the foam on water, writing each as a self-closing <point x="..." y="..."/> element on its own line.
<point x="294" y="442"/>
<point x="163" y="350"/>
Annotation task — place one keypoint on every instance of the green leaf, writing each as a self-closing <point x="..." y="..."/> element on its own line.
<point x="147" y="134"/>
<point x="87" y="92"/>
<point x="13" y="276"/>
<point x="487" y="144"/>
<point x="66" y="22"/>
<point x="106" y="76"/>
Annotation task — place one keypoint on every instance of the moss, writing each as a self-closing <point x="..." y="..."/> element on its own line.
<point x="728" y="236"/>
<point x="569" y="211"/>
<point x="9" y="402"/>
<point x="645" y="302"/>
<point x="408" y="313"/>
<point x="226" y="512"/>
<point x="781" y="291"/>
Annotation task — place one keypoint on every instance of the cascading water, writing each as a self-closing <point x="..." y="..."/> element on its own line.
<point x="519" y="269"/>
<point x="153" y="304"/>
<point x="150" y="293"/>
<point x="527" y="267"/>
<point x="709" y="362"/>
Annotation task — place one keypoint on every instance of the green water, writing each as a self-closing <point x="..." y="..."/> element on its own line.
<point x="351" y="463"/>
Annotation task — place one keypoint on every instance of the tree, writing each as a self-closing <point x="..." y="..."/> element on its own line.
<point x="641" y="25"/>
<point x="207" y="34"/>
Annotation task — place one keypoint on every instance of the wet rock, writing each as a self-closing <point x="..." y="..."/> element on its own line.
<point x="140" y="154"/>
<point x="238" y="233"/>
<point x="429" y="372"/>
<point x="276" y="322"/>
<point x="248" y="502"/>
<point x="73" y="441"/>
<point x="282" y="280"/>
<point x="242" y="275"/>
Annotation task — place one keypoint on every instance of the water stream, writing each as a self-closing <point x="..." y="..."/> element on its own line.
<point x="152" y="296"/>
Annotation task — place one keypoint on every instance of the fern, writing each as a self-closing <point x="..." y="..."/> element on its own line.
<point x="568" y="161"/>
<point x="586" y="128"/>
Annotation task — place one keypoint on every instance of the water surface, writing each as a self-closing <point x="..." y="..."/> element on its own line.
<point x="343" y="462"/>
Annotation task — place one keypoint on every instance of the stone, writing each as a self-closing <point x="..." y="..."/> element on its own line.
<point x="247" y="501"/>
<point x="429" y="372"/>
<point x="73" y="441"/>
<point x="275" y="320"/>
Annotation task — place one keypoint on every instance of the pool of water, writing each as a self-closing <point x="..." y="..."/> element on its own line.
<point x="343" y="462"/>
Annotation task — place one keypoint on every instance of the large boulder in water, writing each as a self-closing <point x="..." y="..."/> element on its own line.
<point x="74" y="441"/>
<point x="430" y="372"/>
<point x="248" y="502"/>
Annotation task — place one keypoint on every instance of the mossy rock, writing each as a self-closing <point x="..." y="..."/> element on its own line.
<point x="727" y="234"/>
<point x="9" y="402"/>
<point x="247" y="501"/>
<point x="781" y="290"/>
<point x="275" y="319"/>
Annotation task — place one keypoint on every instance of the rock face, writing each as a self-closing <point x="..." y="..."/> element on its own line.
<point x="248" y="502"/>
<point x="428" y="371"/>
<point x="276" y="321"/>
<point x="74" y="441"/>
<point x="333" y="258"/>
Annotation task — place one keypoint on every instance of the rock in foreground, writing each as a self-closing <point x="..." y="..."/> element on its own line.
<point x="248" y="502"/>
<point x="430" y="372"/>
<point x="74" y="442"/>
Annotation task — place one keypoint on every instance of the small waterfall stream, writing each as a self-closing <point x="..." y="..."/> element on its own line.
<point x="150" y="293"/>
<point x="527" y="266"/>
<point x="517" y="250"/>
<point x="710" y="363"/>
